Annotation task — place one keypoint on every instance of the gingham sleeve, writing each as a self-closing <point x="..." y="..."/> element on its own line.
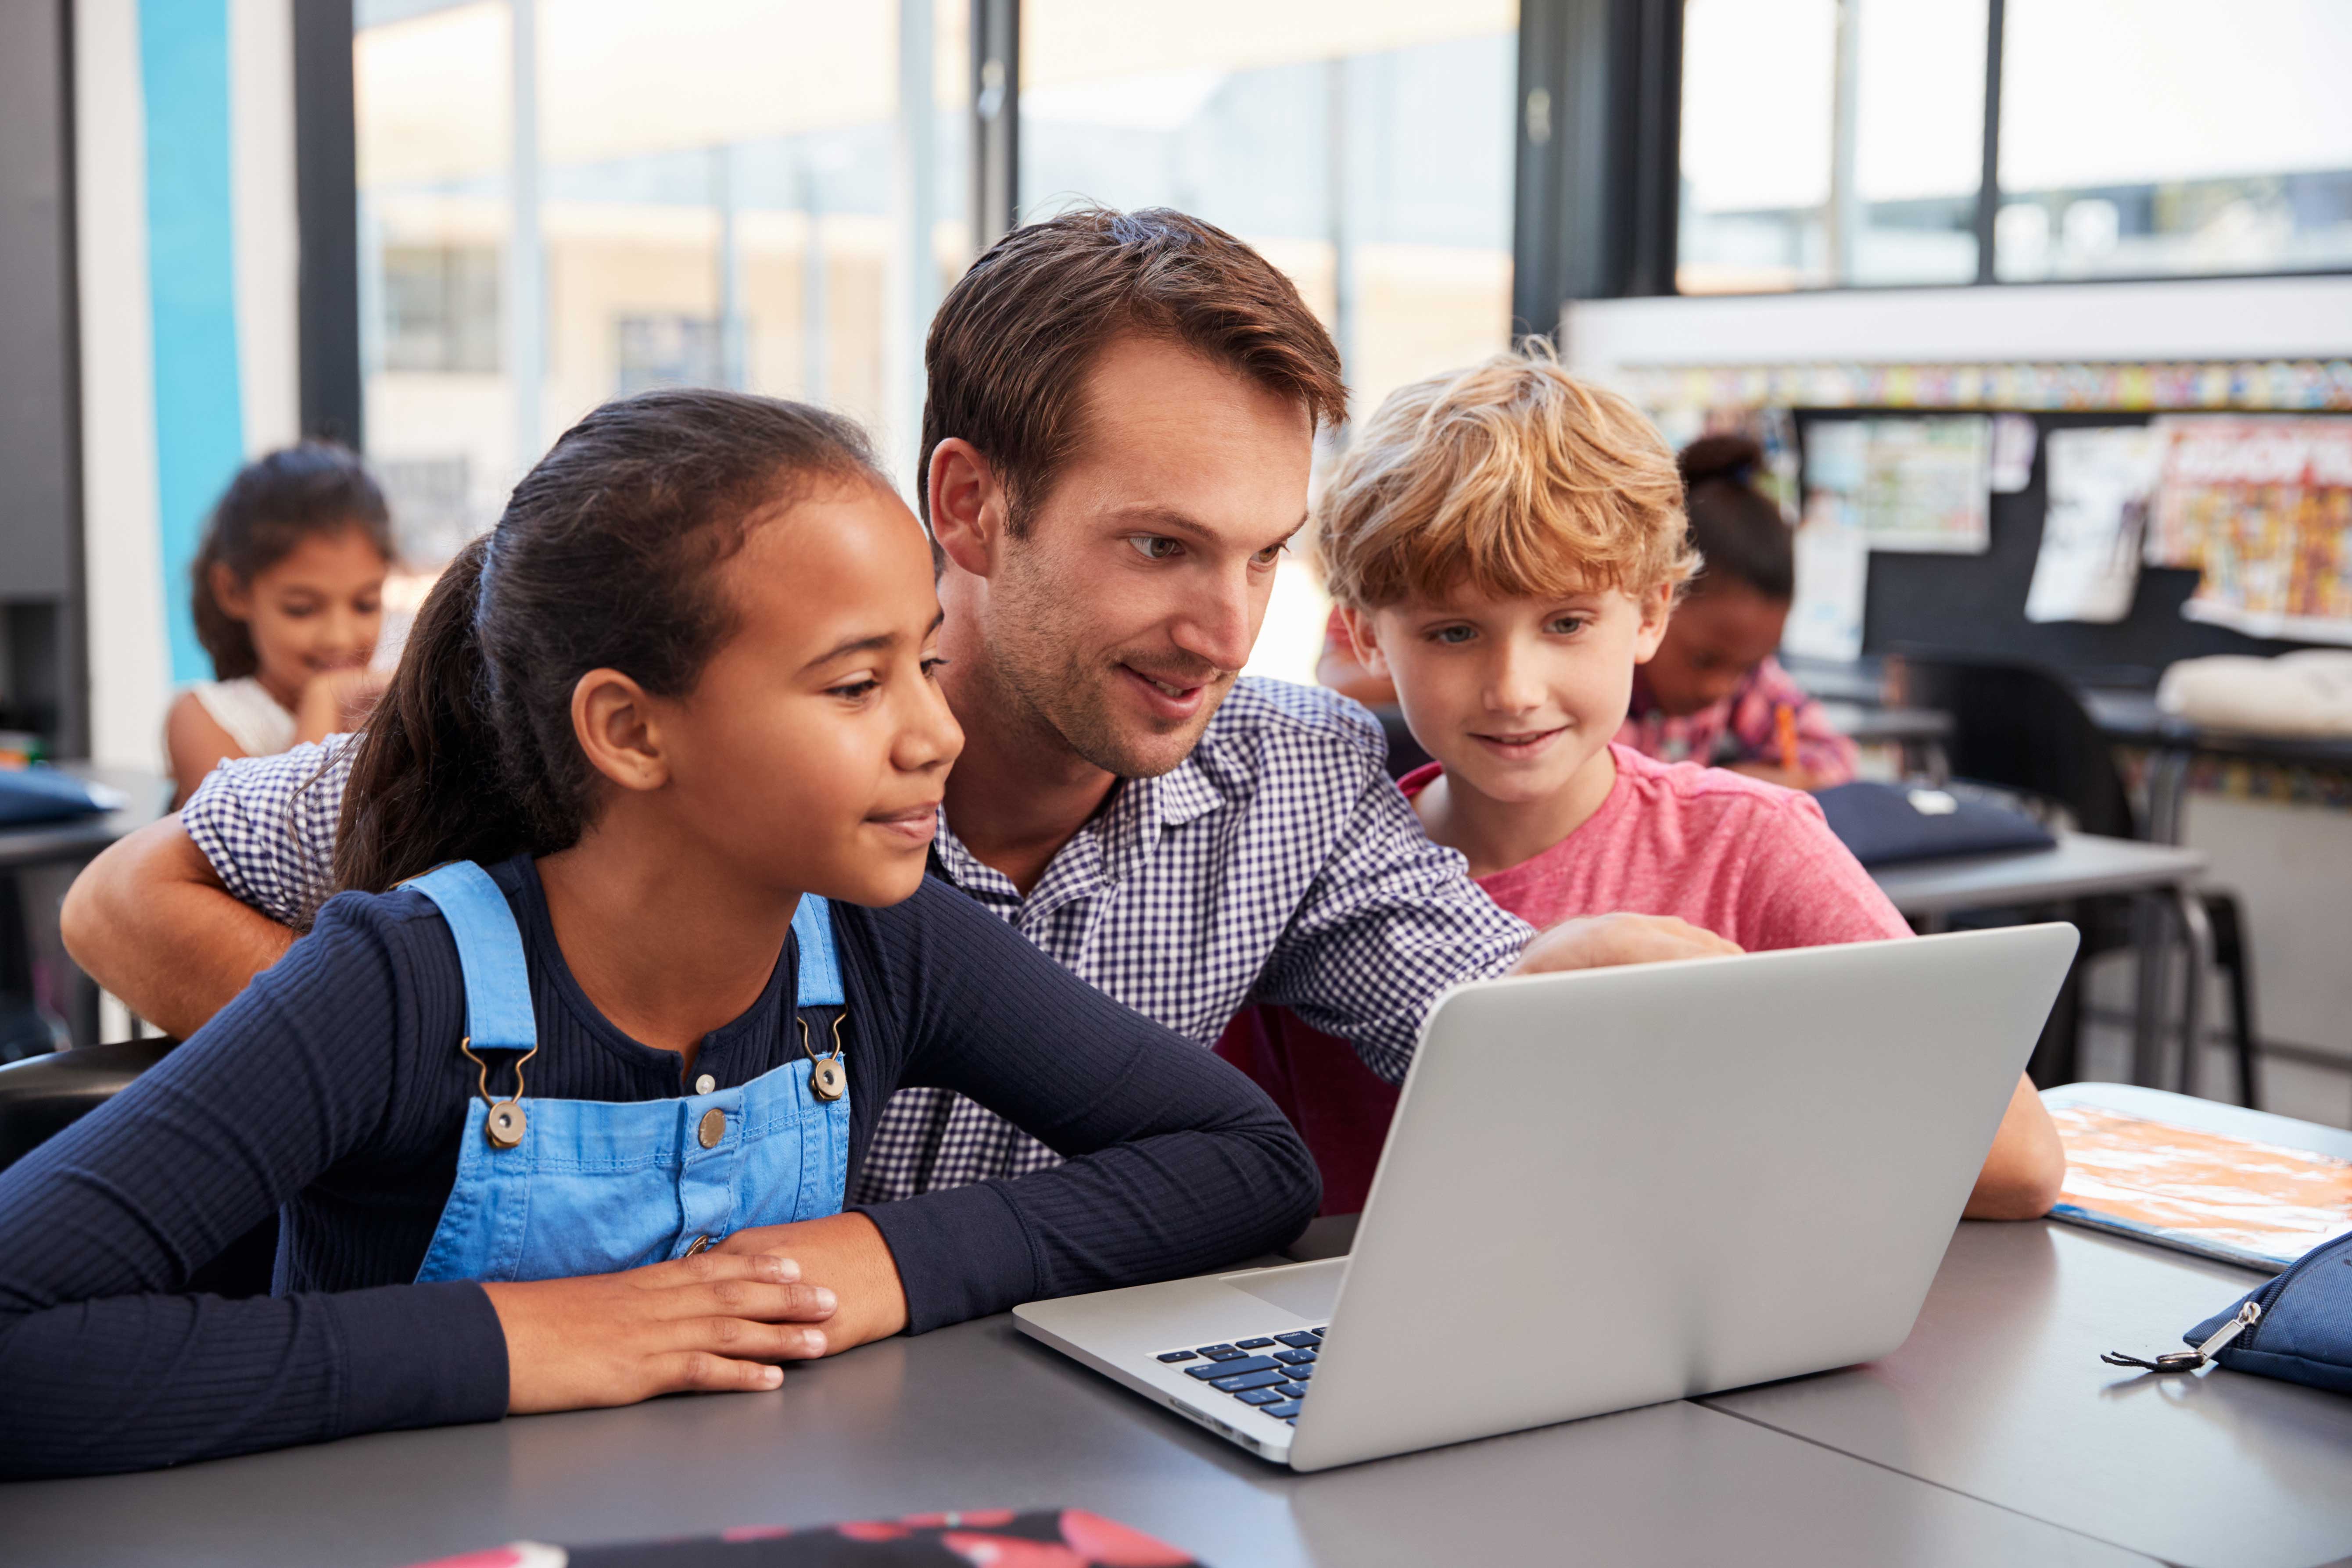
<point x="1392" y="920"/>
<point x="267" y="825"/>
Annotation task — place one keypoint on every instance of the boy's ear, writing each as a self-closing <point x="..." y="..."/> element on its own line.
<point x="1365" y="640"/>
<point x="234" y="598"/>
<point x="1657" y="610"/>
<point x="612" y="719"/>
<point x="969" y="505"/>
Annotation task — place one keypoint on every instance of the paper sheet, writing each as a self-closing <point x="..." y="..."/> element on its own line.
<point x="2263" y="508"/>
<point x="2012" y="453"/>
<point x="2100" y="483"/>
<point x="1833" y="574"/>
<point x="2234" y="1199"/>
<point x="1922" y="485"/>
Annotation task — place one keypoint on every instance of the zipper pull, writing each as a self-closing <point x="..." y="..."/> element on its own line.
<point x="2190" y="1360"/>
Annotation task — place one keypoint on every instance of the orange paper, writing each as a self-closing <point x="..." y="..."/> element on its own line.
<point x="2204" y="1192"/>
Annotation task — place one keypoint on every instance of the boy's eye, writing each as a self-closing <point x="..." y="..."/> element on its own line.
<point x="1452" y="636"/>
<point x="1568" y="625"/>
<point x="1156" y="547"/>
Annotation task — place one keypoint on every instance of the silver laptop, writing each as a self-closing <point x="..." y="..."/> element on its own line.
<point x="1613" y="1187"/>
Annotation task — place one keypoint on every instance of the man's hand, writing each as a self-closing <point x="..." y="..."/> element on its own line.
<point x="703" y="1323"/>
<point x="1604" y="941"/>
<point x="846" y="1254"/>
<point x="150" y="921"/>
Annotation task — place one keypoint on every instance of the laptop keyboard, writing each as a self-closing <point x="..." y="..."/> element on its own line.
<point x="1272" y="1373"/>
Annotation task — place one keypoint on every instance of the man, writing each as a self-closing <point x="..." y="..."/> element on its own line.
<point x="1116" y="448"/>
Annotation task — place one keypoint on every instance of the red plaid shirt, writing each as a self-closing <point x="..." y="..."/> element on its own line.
<point x="1743" y="727"/>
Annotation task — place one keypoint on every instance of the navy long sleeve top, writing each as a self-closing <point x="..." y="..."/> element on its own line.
<point x="332" y="1091"/>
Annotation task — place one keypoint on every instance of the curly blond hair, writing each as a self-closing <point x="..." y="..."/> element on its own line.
<point x="1513" y="477"/>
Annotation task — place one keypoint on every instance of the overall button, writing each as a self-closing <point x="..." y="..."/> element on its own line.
<point x="705" y="1084"/>
<point x="712" y="1127"/>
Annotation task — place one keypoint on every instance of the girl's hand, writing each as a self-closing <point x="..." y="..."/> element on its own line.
<point x="846" y="1252"/>
<point x="338" y="702"/>
<point x="707" y="1321"/>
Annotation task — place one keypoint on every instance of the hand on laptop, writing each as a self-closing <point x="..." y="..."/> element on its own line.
<point x="1603" y="941"/>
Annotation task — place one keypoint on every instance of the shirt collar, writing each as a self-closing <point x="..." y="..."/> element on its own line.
<point x="1111" y="843"/>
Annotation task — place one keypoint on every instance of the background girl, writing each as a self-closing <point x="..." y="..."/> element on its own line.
<point x="567" y="1121"/>
<point x="1713" y="694"/>
<point x="289" y="598"/>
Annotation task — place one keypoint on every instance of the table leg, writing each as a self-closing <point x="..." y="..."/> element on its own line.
<point x="2148" y="942"/>
<point x="2197" y="930"/>
<point x="2168" y="783"/>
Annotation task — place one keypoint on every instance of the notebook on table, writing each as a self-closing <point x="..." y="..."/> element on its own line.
<point x="2238" y="1200"/>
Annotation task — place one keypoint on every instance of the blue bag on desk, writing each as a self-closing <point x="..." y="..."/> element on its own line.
<point x="1887" y="825"/>
<point x="38" y="794"/>
<point x="2301" y="1326"/>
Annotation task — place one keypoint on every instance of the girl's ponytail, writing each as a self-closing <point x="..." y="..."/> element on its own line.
<point x="425" y="787"/>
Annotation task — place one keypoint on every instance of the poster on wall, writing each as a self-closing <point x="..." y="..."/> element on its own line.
<point x="1914" y="485"/>
<point x="1832" y="556"/>
<point x="2101" y="481"/>
<point x="2262" y="509"/>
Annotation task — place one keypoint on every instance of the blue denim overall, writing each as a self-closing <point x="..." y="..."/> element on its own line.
<point x="594" y="1187"/>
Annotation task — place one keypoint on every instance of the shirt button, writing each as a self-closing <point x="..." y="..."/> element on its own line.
<point x="705" y="1084"/>
<point x="713" y="1127"/>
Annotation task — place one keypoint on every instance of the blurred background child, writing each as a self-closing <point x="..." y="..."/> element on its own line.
<point x="1713" y="694"/>
<point x="289" y="590"/>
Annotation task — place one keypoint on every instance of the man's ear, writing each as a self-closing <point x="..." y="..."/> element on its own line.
<point x="969" y="506"/>
<point x="1657" y="608"/>
<point x="1366" y="641"/>
<point x="614" y="720"/>
<point x="234" y="598"/>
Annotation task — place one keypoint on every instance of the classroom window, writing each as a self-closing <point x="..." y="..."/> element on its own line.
<point x="710" y="193"/>
<point x="2150" y="137"/>
<point x="1827" y="143"/>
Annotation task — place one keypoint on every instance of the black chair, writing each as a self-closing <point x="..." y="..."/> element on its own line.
<point x="43" y="1095"/>
<point x="2023" y="728"/>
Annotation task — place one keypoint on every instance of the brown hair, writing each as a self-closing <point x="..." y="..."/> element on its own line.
<point x="606" y="557"/>
<point x="1011" y="346"/>
<point x="1736" y="525"/>
<point x="276" y="502"/>
<point x="1512" y="476"/>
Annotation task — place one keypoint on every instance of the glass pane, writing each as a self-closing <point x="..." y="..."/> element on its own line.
<point x="2143" y="137"/>
<point x="1364" y="146"/>
<point x="721" y="203"/>
<point x="1797" y="173"/>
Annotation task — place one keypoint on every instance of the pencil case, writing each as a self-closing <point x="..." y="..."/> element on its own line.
<point x="2297" y="1328"/>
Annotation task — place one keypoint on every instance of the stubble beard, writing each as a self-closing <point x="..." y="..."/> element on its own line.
<point x="1072" y="696"/>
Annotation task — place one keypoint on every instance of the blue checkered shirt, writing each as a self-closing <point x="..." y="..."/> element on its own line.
<point x="1277" y="864"/>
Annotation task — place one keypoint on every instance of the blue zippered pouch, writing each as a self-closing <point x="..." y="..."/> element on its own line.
<point x="2297" y="1327"/>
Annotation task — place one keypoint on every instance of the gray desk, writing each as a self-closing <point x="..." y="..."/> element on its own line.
<point x="1919" y="732"/>
<point x="2084" y="865"/>
<point x="1999" y="1393"/>
<point x="2131" y="717"/>
<point x="978" y="1416"/>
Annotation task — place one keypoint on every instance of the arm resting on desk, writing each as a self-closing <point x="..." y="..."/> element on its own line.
<point x="2021" y="1177"/>
<point x="150" y="921"/>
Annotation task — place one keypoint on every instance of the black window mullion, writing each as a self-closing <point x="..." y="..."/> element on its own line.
<point x="1988" y="183"/>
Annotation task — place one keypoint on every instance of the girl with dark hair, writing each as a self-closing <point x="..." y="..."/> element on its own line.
<point x="289" y="597"/>
<point x="1713" y="694"/>
<point x="558" y="1100"/>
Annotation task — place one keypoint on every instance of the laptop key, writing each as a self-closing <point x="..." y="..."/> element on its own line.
<point x="1180" y="1355"/>
<point x="1220" y="1369"/>
<point x="1260" y="1396"/>
<point x="1298" y="1374"/>
<point x="1285" y="1411"/>
<point x="1219" y="1352"/>
<point x="1292" y="1391"/>
<point x="1300" y="1341"/>
<point x="1252" y="1344"/>
<point x="1295" y="1357"/>
<point x="1242" y="1383"/>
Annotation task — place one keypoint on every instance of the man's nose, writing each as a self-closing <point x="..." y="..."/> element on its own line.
<point x="1220" y="623"/>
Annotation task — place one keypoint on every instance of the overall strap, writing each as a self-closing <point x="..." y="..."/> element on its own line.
<point x="489" y="952"/>
<point x="820" y="970"/>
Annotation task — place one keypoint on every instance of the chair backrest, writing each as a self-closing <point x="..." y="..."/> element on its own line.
<point x="43" y="1095"/>
<point x="2021" y="727"/>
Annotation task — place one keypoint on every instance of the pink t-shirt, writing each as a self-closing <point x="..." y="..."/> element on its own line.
<point x="1746" y="859"/>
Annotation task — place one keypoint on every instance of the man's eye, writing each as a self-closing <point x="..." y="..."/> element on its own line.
<point x="1270" y="554"/>
<point x="1156" y="547"/>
